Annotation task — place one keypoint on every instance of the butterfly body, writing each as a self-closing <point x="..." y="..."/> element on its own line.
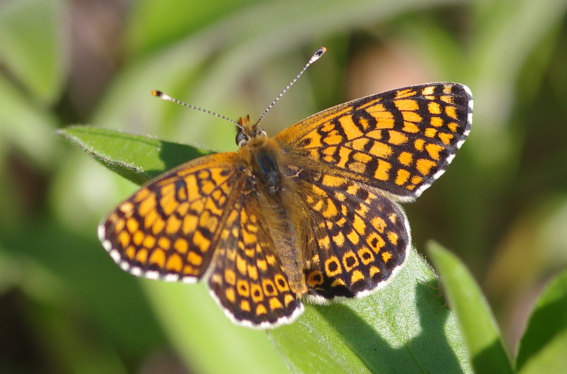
<point x="270" y="187"/>
<point x="312" y="212"/>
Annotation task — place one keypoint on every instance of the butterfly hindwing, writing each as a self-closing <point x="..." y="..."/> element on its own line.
<point x="361" y="237"/>
<point x="247" y="277"/>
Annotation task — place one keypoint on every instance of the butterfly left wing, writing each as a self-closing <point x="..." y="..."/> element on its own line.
<point x="247" y="278"/>
<point x="168" y="228"/>
<point x="400" y="141"/>
<point x="202" y="221"/>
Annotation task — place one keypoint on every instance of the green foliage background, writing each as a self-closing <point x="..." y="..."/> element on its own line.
<point x="66" y="307"/>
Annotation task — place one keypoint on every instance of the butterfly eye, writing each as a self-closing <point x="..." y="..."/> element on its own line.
<point x="241" y="138"/>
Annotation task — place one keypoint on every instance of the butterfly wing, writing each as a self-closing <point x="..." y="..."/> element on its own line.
<point x="247" y="276"/>
<point x="169" y="228"/>
<point x="353" y="160"/>
<point x="399" y="141"/>
<point x="202" y="220"/>
<point x="361" y="237"/>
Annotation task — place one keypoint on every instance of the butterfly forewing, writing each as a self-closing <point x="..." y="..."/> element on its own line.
<point x="400" y="141"/>
<point x="168" y="228"/>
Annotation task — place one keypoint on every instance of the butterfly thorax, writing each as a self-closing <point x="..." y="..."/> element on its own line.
<point x="269" y="180"/>
<point x="261" y="153"/>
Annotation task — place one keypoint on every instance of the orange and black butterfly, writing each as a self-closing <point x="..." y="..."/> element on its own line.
<point x="312" y="212"/>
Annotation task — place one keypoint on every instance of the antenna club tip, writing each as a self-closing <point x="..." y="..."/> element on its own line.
<point x="157" y="93"/>
<point x="318" y="53"/>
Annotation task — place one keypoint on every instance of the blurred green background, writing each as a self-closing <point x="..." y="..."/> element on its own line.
<point x="65" y="307"/>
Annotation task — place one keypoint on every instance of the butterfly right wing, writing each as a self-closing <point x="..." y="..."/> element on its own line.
<point x="361" y="237"/>
<point x="168" y="229"/>
<point x="399" y="141"/>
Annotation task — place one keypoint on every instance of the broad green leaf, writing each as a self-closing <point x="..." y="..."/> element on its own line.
<point x="135" y="157"/>
<point x="402" y="328"/>
<point x="482" y="336"/>
<point x="207" y="340"/>
<point x="544" y="344"/>
<point x="188" y="312"/>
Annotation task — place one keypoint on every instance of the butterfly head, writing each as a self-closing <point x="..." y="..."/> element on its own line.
<point x="247" y="131"/>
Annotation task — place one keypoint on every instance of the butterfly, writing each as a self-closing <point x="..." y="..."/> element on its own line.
<point x="311" y="213"/>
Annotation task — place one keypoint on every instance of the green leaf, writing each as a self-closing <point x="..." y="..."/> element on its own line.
<point x="135" y="157"/>
<point x="543" y="346"/>
<point x="480" y="331"/>
<point x="138" y="158"/>
<point x="207" y="340"/>
<point x="403" y="328"/>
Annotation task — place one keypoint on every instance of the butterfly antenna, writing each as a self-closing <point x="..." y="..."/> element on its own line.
<point x="318" y="53"/>
<point x="166" y="97"/>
